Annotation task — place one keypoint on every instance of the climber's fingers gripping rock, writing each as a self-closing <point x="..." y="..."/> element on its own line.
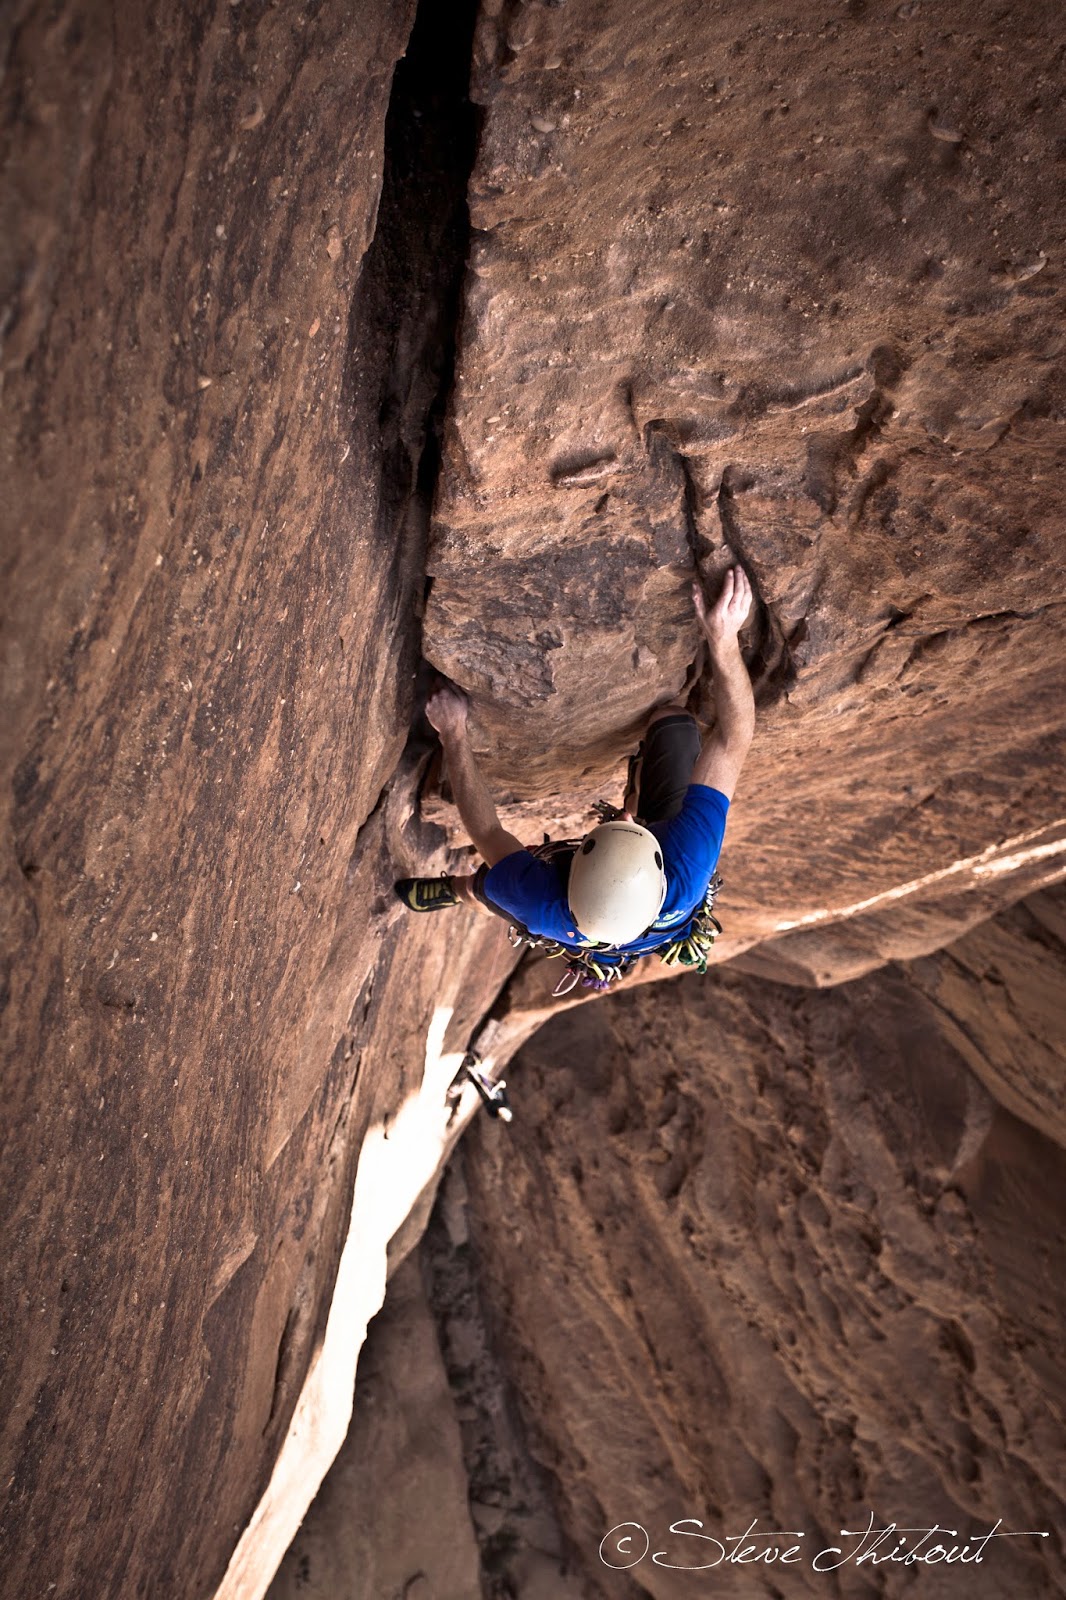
<point x="447" y="711"/>
<point x="727" y="616"/>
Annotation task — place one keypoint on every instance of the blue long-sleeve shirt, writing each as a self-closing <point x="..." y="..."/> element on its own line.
<point x="533" y="892"/>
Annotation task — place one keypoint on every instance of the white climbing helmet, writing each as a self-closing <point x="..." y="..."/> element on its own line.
<point x="617" y="884"/>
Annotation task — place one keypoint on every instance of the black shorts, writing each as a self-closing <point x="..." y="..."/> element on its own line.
<point x="670" y="751"/>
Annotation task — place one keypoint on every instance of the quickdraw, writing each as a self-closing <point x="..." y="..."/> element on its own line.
<point x="581" y="965"/>
<point x="695" y="946"/>
<point x="491" y="1092"/>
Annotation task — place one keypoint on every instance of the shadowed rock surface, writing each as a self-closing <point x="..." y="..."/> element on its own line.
<point x="420" y="1541"/>
<point x="212" y="563"/>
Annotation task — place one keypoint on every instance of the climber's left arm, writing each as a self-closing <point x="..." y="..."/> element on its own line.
<point x="719" y="762"/>
<point x="447" y="711"/>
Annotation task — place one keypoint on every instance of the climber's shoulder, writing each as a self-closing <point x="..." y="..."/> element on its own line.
<point x="531" y="889"/>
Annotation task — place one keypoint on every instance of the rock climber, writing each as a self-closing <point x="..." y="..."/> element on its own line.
<point x="634" y="882"/>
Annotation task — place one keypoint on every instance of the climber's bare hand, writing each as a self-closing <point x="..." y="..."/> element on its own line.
<point x="727" y="616"/>
<point x="446" y="709"/>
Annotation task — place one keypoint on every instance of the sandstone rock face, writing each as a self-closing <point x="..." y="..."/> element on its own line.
<point x="782" y="286"/>
<point x="357" y="1539"/>
<point x="213" y="565"/>
<point x="434" y="1493"/>
<point x="1000" y="1002"/>
<point x="775" y="287"/>
<point x="757" y="1252"/>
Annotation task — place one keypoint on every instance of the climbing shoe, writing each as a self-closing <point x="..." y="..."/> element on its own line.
<point x="426" y="894"/>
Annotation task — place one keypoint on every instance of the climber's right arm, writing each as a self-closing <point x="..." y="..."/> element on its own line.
<point x="447" y="711"/>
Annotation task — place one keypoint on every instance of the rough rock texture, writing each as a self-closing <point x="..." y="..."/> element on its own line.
<point x="434" y="1492"/>
<point x="783" y="287"/>
<point x="782" y="284"/>
<point x="435" y="1453"/>
<point x="406" y="1434"/>
<point x="753" y="1251"/>
<point x="216" y="399"/>
<point x="998" y="994"/>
